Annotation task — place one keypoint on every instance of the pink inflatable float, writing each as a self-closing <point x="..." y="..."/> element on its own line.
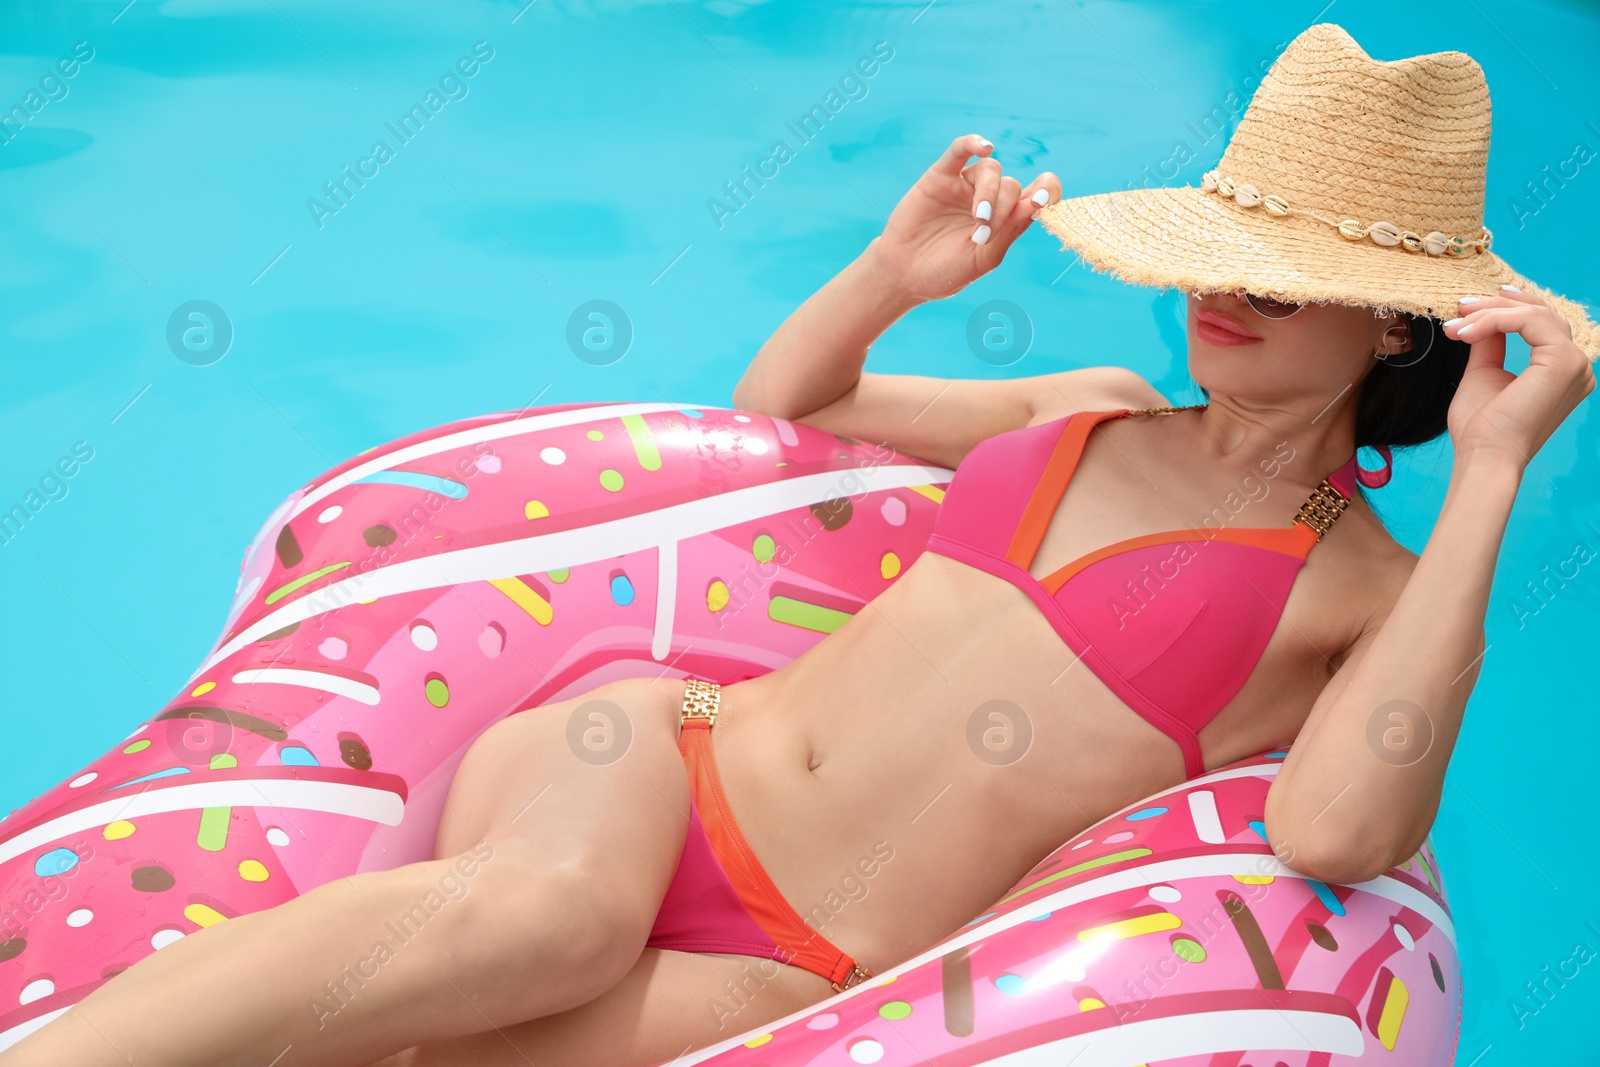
<point x="390" y="611"/>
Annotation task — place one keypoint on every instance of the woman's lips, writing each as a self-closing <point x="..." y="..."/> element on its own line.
<point x="1217" y="329"/>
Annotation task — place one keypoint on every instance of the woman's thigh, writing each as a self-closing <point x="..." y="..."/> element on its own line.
<point x="577" y="813"/>
<point x="596" y="777"/>
<point x="669" y="1003"/>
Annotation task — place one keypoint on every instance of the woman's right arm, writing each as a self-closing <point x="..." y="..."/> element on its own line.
<point x="815" y="357"/>
<point x="938" y="239"/>
<point x="940" y="419"/>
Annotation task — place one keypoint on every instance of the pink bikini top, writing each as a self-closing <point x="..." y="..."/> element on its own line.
<point x="1174" y="622"/>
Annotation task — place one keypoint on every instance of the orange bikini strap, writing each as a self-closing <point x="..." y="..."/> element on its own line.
<point x="1052" y="485"/>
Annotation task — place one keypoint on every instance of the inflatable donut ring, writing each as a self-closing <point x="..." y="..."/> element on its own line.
<point x="585" y="543"/>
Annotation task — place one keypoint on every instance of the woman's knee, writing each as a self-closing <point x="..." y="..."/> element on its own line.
<point x="545" y="924"/>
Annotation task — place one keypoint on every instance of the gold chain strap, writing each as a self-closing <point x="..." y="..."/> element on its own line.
<point x="1320" y="510"/>
<point x="1163" y="411"/>
<point x="701" y="700"/>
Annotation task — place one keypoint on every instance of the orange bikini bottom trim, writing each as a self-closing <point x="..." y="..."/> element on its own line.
<point x="802" y="944"/>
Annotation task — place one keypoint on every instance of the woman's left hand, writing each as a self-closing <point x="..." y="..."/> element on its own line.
<point x="1497" y="412"/>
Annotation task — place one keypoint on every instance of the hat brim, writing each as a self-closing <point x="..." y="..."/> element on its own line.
<point x="1184" y="238"/>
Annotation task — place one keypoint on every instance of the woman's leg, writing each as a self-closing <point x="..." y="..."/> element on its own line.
<point x="670" y="1003"/>
<point x="554" y="860"/>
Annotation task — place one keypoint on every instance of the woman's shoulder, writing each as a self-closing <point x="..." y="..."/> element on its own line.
<point x="1093" y="389"/>
<point x="1383" y="564"/>
<point x="1365" y="569"/>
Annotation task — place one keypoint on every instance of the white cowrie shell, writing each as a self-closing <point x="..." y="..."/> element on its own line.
<point x="1384" y="233"/>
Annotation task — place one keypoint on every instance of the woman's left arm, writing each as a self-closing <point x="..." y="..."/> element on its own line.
<point x="1358" y="792"/>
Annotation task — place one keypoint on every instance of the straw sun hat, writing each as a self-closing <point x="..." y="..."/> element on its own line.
<point x="1349" y="180"/>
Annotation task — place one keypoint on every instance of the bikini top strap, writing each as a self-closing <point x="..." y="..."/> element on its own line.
<point x="1048" y="473"/>
<point x="1333" y="495"/>
<point x="1344" y="479"/>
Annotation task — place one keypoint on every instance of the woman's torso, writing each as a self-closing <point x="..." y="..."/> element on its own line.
<point x="867" y="747"/>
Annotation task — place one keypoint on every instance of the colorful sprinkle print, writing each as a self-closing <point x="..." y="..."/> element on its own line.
<point x="526" y="597"/>
<point x="56" y="861"/>
<point x="302" y="581"/>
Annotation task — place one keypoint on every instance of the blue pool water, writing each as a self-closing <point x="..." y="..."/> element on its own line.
<point x="185" y="157"/>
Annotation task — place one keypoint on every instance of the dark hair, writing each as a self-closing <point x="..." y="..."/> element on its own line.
<point x="1405" y="403"/>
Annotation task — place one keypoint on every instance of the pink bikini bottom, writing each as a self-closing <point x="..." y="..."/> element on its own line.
<point x="721" y="899"/>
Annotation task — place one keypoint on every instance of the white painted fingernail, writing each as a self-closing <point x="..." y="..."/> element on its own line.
<point x="980" y="236"/>
<point x="1468" y="300"/>
<point x="1452" y="322"/>
<point x="984" y="210"/>
<point x="1465" y="329"/>
<point x="985" y="143"/>
<point x="1511" y="289"/>
<point x="1042" y="197"/>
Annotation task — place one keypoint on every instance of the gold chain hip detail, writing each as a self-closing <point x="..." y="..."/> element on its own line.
<point x="701" y="700"/>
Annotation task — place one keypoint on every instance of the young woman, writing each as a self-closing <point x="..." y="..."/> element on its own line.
<point x="1072" y="640"/>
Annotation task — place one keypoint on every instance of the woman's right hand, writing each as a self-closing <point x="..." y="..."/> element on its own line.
<point x="957" y="221"/>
